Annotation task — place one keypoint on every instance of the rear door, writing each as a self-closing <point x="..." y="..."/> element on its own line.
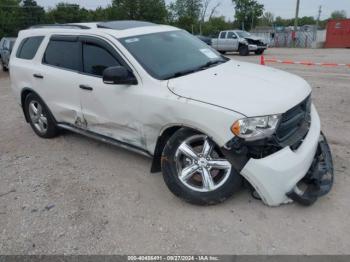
<point x="109" y="110"/>
<point x="57" y="78"/>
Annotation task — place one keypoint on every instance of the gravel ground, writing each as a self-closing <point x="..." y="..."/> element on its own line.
<point x="73" y="195"/>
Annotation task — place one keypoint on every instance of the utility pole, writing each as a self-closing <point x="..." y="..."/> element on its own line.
<point x="296" y="16"/>
<point x="317" y="22"/>
<point x="318" y="17"/>
<point x="294" y="34"/>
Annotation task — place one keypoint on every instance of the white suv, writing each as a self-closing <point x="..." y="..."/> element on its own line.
<point x="208" y="122"/>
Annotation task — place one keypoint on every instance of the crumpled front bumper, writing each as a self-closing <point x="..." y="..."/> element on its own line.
<point x="277" y="177"/>
<point x="319" y="179"/>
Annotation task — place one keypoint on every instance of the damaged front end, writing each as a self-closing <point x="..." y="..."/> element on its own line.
<point x="294" y="164"/>
<point x="318" y="180"/>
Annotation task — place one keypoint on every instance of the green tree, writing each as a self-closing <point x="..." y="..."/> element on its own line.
<point x="150" y="10"/>
<point x="339" y="14"/>
<point x="214" y="25"/>
<point x="31" y="13"/>
<point x="186" y="13"/>
<point x="67" y="13"/>
<point x="9" y="17"/>
<point x="306" y="20"/>
<point x="247" y="12"/>
<point x="267" y="19"/>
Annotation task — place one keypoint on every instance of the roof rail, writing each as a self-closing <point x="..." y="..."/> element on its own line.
<point x="64" y="26"/>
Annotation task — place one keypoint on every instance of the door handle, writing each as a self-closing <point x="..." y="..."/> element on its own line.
<point x="38" y="76"/>
<point x="85" y="87"/>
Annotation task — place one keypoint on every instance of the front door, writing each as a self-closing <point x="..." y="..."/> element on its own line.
<point x="232" y="41"/>
<point x="109" y="110"/>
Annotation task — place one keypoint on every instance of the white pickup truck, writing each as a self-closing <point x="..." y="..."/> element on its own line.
<point x="239" y="41"/>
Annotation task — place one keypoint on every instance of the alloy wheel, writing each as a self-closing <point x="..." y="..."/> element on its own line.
<point x="37" y="116"/>
<point x="200" y="165"/>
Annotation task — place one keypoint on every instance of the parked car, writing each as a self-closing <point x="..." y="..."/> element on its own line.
<point x="6" y="49"/>
<point x="1" y="44"/>
<point x="205" y="39"/>
<point x="239" y="41"/>
<point x="207" y="121"/>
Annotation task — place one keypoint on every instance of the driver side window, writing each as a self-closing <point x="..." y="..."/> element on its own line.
<point x="97" y="59"/>
<point x="231" y="35"/>
<point x="223" y="35"/>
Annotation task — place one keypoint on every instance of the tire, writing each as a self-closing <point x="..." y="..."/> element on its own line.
<point x="259" y="52"/>
<point x="243" y="50"/>
<point x="223" y="182"/>
<point x="41" y="120"/>
<point x="4" y="68"/>
<point x="222" y="52"/>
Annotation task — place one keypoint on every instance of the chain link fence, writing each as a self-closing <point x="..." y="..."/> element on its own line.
<point x="299" y="39"/>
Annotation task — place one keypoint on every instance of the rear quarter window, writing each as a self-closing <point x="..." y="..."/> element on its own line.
<point x="28" y="47"/>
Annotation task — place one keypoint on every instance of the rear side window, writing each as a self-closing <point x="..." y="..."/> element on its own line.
<point x="97" y="59"/>
<point x="64" y="54"/>
<point x="28" y="47"/>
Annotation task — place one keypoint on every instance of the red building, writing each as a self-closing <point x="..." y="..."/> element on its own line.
<point x="338" y="34"/>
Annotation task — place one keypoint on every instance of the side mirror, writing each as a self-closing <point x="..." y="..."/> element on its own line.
<point x="118" y="75"/>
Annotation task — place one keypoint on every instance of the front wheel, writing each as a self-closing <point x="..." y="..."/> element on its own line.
<point x="259" y="52"/>
<point x="195" y="169"/>
<point x="243" y="50"/>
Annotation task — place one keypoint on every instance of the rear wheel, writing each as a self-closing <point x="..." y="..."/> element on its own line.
<point x="195" y="169"/>
<point x="40" y="117"/>
<point x="243" y="50"/>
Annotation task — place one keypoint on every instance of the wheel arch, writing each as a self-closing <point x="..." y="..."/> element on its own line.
<point x="163" y="138"/>
<point x="24" y="93"/>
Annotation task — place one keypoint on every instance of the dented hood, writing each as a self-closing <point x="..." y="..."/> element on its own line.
<point x="255" y="38"/>
<point x="249" y="89"/>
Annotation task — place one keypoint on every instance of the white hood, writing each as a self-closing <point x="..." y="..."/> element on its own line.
<point x="254" y="37"/>
<point x="249" y="89"/>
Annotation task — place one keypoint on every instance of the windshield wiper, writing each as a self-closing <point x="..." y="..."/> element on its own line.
<point x="182" y="73"/>
<point x="200" y="68"/>
<point x="211" y="63"/>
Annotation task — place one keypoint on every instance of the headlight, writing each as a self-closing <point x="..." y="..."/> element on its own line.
<point x="254" y="128"/>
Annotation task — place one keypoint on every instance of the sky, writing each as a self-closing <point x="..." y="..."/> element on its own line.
<point x="283" y="8"/>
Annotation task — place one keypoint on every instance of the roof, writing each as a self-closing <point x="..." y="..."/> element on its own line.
<point x="116" y="25"/>
<point x="123" y="25"/>
<point x="119" y="29"/>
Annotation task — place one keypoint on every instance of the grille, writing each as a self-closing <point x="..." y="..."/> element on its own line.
<point x="295" y="125"/>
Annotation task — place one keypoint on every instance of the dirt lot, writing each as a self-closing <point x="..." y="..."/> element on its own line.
<point x="74" y="195"/>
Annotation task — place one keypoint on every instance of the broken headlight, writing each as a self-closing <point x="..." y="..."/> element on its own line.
<point x="254" y="128"/>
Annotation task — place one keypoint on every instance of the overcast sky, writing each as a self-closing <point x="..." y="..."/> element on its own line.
<point x="284" y="8"/>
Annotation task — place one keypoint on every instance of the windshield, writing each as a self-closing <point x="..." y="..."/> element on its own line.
<point x="243" y="34"/>
<point x="171" y="54"/>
